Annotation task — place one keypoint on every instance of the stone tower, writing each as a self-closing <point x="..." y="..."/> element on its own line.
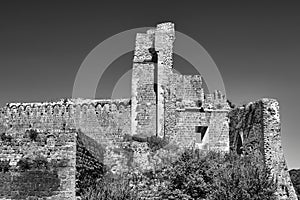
<point x="255" y="129"/>
<point x="143" y="101"/>
<point x="150" y="80"/>
<point x="170" y="105"/>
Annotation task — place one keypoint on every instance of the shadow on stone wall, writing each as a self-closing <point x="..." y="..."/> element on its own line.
<point x="29" y="184"/>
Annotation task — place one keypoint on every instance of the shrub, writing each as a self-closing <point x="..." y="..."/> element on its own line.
<point x="216" y="176"/>
<point x="190" y="177"/>
<point x="153" y="142"/>
<point x="33" y="135"/>
<point x="156" y="143"/>
<point x="194" y="175"/>
<point x="111" y="189"/>
<point x="4" y="166"/>
<point x="6" y="138"/>
<point x="24" y="164"/>
<point x="243" y="178"/>
<point x="40" y="163"/>
<point x="35" y="185"/>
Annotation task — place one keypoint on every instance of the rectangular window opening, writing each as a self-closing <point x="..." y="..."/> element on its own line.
<point x="200" y="133"/>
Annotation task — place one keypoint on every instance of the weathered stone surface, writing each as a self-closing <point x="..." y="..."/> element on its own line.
<point x="89" y="162"/>
<point x="255" y="129"/>
<point x="143" y="100"/>
<point x="41" y="163"/>
<point x="164" y="38"/>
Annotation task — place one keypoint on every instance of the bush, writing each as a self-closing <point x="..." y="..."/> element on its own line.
<point x="111" y="189"/>
<point x="4" y="166"/>
<point x="6" y="138"/>
<point x="215" y="176"/>
<point x="40" y="163"/>
<point x="24" y="164"/>
<point x="33" y="135"/>
<point x="187" y="177"/>
<point x="195" y="175"/>
<point x="243" y="178"/>
<point x="155" y="143"/>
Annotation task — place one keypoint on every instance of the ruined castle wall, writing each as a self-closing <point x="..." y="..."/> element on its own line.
<point x="218" y="131"/>
<point x="186" y="135"/>
<point x="189" y="89"/>
<point x="214" y="125"/>
<point x="48" y="119"/>
<point x="246" y="129"/>
<point x="49" y="116"/>
<point x="94" y="148"/>
<point x="274" y="157"/>
<point x="89" y="162"/>
<point x="40" y="164"/>
<point x="143" y="109"/>
<point x="144" y="102"/>
<point x="174" y="91"/>
<point x="164" y="38"/>
<point x="104" y="121"/>
<point x="255" y="129"/>
<point x="184" y="111"/>
<point x="215" y="100"/>
<point x="185" y="94"/>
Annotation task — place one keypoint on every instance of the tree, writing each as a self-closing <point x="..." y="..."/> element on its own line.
<point x="243" y="178"/>
<point x="217" y="176"/>
<point x="190" y="177"/>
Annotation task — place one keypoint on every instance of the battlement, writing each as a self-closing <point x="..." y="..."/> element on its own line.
<point x="63" y="108"/>
<point x="69" y="102"/>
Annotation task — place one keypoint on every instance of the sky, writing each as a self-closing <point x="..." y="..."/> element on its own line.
<point x="255" y="44"/>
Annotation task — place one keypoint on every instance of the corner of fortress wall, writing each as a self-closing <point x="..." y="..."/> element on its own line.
<point x="56" y="179"/>
<point x="82" y="130"/>
<point x="257" y="126"/>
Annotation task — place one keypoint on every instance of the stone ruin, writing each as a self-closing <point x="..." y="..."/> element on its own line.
<point x="45" y="148"/>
